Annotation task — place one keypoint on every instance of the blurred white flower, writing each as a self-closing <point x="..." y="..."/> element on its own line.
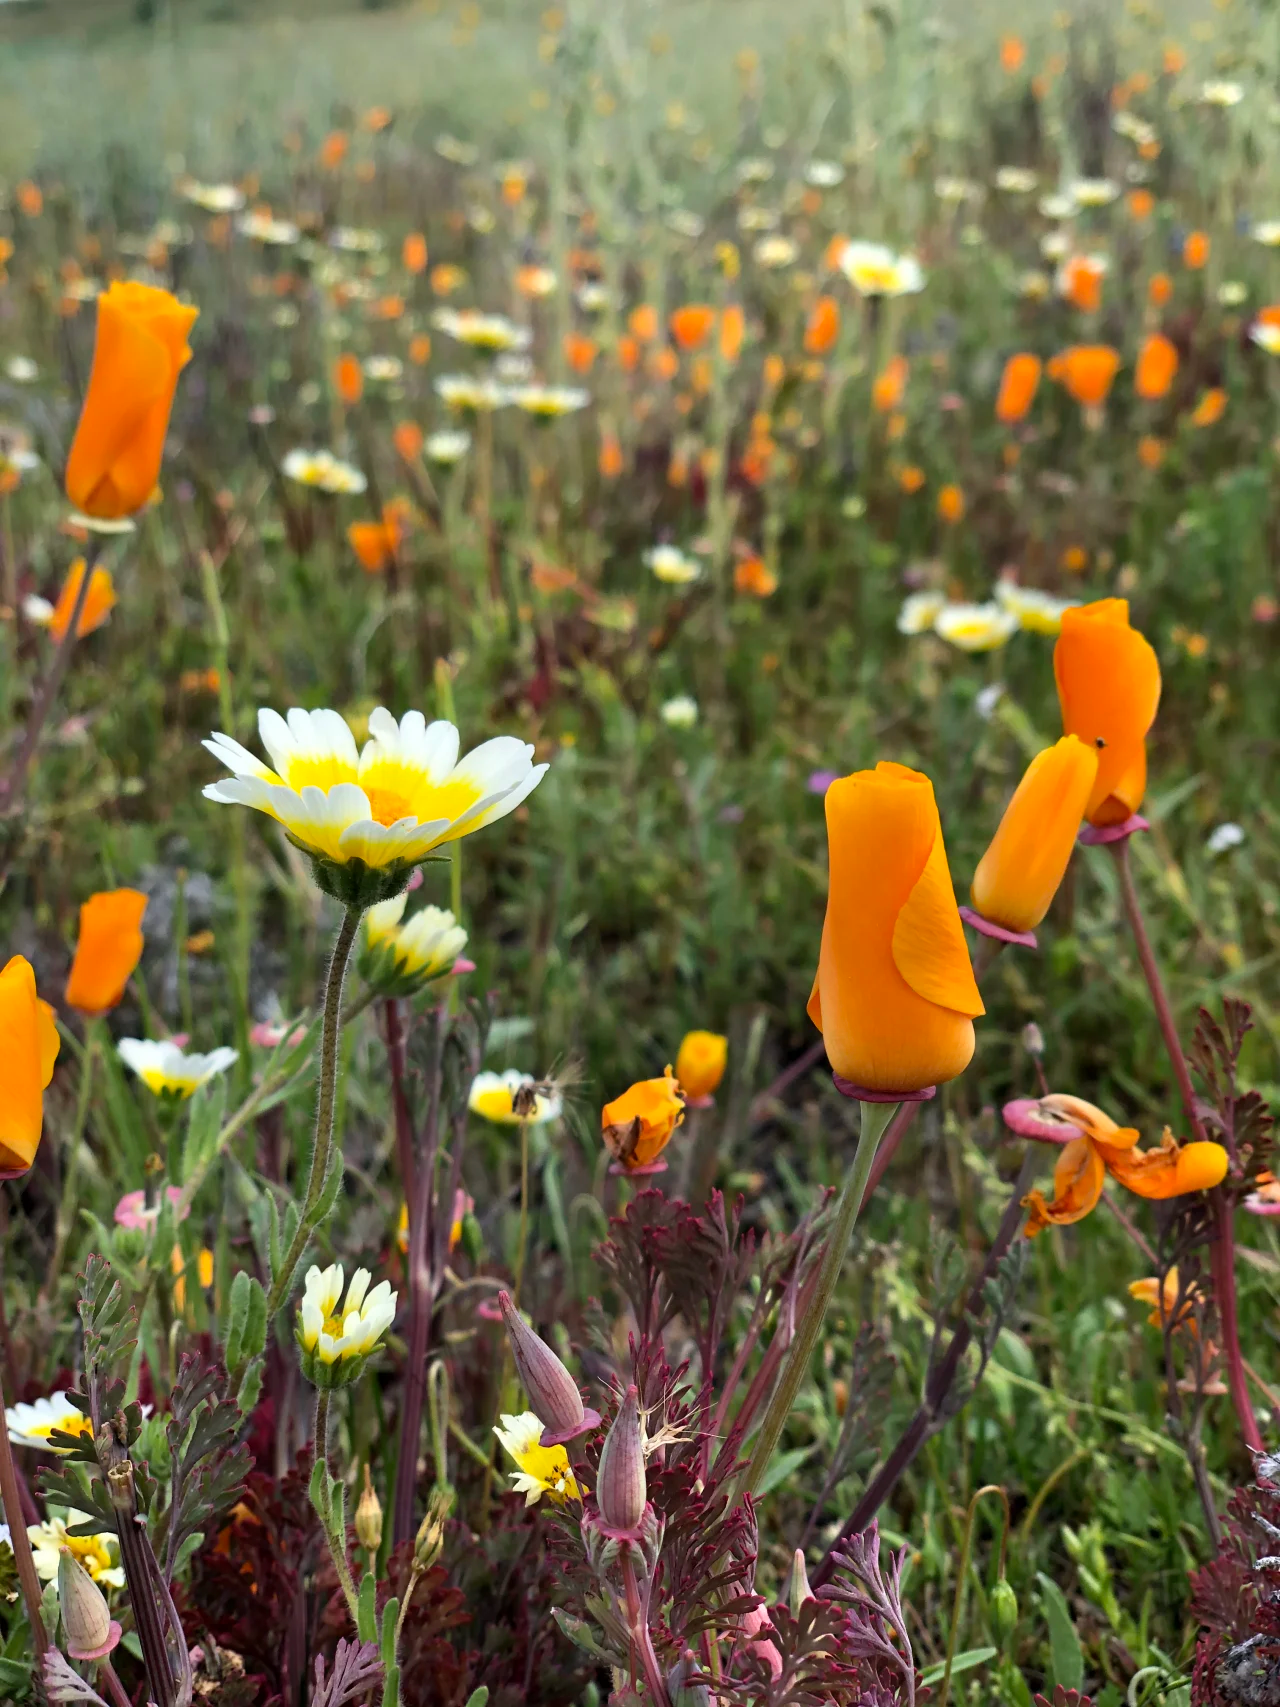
<point x="680" y="712"/>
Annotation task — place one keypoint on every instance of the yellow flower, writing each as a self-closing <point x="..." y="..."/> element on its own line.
<point x="337" y="1336"/>
<point x="1164" y="1299"/>
<point x="975" y="628"/>
<point x="324" y="471"/>
<point x="539" y="1469"/>
<point x="33" y="1425"/>
<point x="700" y="1063"/>
<point x="1037" y="612"/>
<point x="873" y="270"/>
<point x="168" y="1070"/>
<point x="509" y="1098"/>
<point x="98" y="1554"/>
<point x="412" y="953"/>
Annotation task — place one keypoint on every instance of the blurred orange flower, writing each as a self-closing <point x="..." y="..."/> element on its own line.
<point x="1088" y="371"/>
<point x="29" y="198"/>
<point x="1156" y="367"/>
<point x="691" y="325"/>
<point x="751" y="574"/>
<point x="580" y="351"/>
<point x="823" y="326"/>
<point x="610" y="460"/>
<point x="1018" y="386"/>
<point x="1210" y="409"/>
<point x="108" y="949"/>
<point x="910" y="478"/>
<point x="950" y="504"/>
<point x="446" y="278"/>
<point x="642" y="323"/>
<point x="732" y="327"/>
<point x="1195" y="250"/>
<point x="1150" y="451"/>
<point x="628" y="353"/>
<point x="408" y="440"/>
<point x="413" y="252"/>
<point x="890" y="384"/>
<point x="420" y="348"/>
<point x="376" y="543"/>
<point x="1141" y="203"/>
<point x="1159" y="289"/>
<point x="1081" y="282"/>
<point x="1012" y="53"/>
<point x="333" y="150"/>
<point x="348" y="379"/>
<point x="99" y="601"/>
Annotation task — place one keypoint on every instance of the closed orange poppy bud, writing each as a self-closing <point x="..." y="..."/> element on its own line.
<point x="691" y="325"/>
<point x="333" y="150"/>
<point x="890" y="383"/>
<point x="373" y="543"/>
<point x="894" y="997"/>
<point x="141" y="349"/>
<point x="580" y="351"/>
<point x="413" y="252"/>
<point x="420" y="348"/>
<point x="1109" y="688"/>
<point x="1157" y="365"/>
<point x="823" y="326"/>
<point x="1141" y="203"/>
<point x="642" y="322"/>
<point x="951" y="504"/>
<point x="1195" y="250"/>
<point x="700" y="1063"/>
<point x="1210" y="408"/>
<point x="1018" y="386"/>
<point x="99" y="601"/>
<point x="1159" y="289"/>
<point x="408" y="440"/>
<point x="1019" y="874"/>
<point x="28" y="1050"/>
<point x="1012" y="53"/>
<point x="348" y="379"/>
<point x="108" y="949"/>
<point x="610" y="461"/>
<point x="1087" y="373"/>
<point x="732" y="327"/>
<point x="637" y="1126"/>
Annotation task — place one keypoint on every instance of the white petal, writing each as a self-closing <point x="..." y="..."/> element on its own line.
<point x="237" y="758"/>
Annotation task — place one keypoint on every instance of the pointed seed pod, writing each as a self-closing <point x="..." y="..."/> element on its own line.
<point x="799" y="1590"/>
<point x="621" y="1492"/>
<point x="368" y="1519"/>
<point x="86" y="1617"/>
<point x="552" y="1392"/>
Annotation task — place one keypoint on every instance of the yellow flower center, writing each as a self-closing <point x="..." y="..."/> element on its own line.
<point x="75" y="1422"/>
<point x="90" y="1551"/>
<point x="387" y="805"/>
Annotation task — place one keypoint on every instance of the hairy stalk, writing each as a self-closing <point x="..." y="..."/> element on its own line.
<point x="326" y="1101"/>
<point x="522" y="1238"/>
<point x="11" y="1500"/>
<point x="962" y="1572"/>
<point x="875" y="1118"/>
<point x="337" y="1543"/>
<point x="1222" y="1243"/>
<point x="924" y="1423"/>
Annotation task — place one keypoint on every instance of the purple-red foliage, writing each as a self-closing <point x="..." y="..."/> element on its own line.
<point x="1236" y="1597"/>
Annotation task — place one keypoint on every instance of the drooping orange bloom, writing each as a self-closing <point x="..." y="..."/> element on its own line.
<point x="642" y="322"/>
<point x="733" y="326"/>
<point x="751" y="574"/>
<point x="1018" y="386"/>
<point x="580" y="351"/>
<point x="1164" y="1300"/>
<point x="140" y="350"/>
<point x="376" y="543"/>
<point x="1088" y="371"/>
<point x="99" y="601"/>
<point x="700" y="1063"/>
<point x="889" y="385"/>
<point x="348" y="379"/>
<point x="1019" y="874"/>
<point x="333" y="150"/>
<point x="1159" y="289"/>
<point x="28" y="1050"/>
<point x="413" y="252"/>
<point x="107" y="950"/>
<point x="822" y="327"/>
<point x="1210" y="408"/>
<point x="1109" y="689"/>
<point x="950" y="504"/>
<point x="637" y="1126"/>
<point x="894" y="997"/>
<point x="1012" y="53"/>
<point x="408" y="439"/>
<point x="691" y="325"/>
<point x="1081" y="282"/>
<point x="1195" y="250"/>
<point x="1156" y="366"/>
<point x="1105" y="1148"/>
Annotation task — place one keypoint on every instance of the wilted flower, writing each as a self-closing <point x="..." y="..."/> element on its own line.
<point x="168" y="1070"/>
<point x="512" y="1099"/>
<point x="337" y="1336"/>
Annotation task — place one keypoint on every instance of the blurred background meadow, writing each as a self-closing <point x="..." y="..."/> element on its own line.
<point x="570" y="167"/>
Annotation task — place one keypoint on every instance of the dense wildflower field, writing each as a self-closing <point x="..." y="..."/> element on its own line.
<point x="639" y="856"/>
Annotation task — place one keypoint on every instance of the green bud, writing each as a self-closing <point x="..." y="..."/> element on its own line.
<point x="1004" y="1610"/>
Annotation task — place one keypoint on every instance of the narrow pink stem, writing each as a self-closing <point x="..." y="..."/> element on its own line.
<point x="638" y="1618"/>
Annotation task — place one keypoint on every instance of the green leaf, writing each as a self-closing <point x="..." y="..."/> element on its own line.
<point x="967" y="1661"/>
<point x="367" y="1610"/>
<point x="478" y="1697"/>
<point x="1066" y="1654"/>
<point x="782" y="1469"/>
<point x="14" y="1676"/>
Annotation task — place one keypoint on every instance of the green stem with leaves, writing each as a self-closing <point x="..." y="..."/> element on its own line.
<point x="327" y="1498"/>
<point x="75" y="1149"/>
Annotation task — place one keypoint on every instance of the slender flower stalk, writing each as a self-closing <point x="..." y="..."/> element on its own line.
<point x="875" y="1118"/>
<point x="337" y="1543"/>
<point x="28" y="1581"/>
<point x="325" y="1107"/>
<point x="1222" y="1243"/>
<point x="67" y="1201"/>
<point x="13" y="787"/>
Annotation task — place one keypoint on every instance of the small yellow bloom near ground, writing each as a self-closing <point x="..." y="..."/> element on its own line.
<point x="168" y="1070"/>
<point x="98" y="1554"/>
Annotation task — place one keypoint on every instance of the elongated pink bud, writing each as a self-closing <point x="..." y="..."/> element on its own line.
<point x="551" y="1390"/>
<point x="621" y="1492"/>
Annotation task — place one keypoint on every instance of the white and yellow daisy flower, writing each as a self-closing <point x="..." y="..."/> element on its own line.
<point x="213" y="198"/>
<point x="168" y="1070"/>
<point x="1037" y="612"/>
<point x="824" y="174"/>
<point x="446" y="447"/>
<point x="548" y="402"/>
<point x="975" y="628"/>
<point x="336" y="1335"/>
<point x="919" y="612"/>
<point x="481" y="331"/>
<point x="1266" y="336"/>
<point x="385" y="805"/>
<point x="776" y="252"/>
<point x="496" y="1097"/>
<point x="383" y="370"/>
<point x="263" y="228"/>
<point x="680" y="712"/>
<point x="672" y="565"/>
<point x="539" y="1469"/>
<point x="402" y="956"/>
<point x="98" y="1554"/>
<point x="324" y="471"/>
<point x="1016" y="180"/>
<point x="874" y="270"/>
<point x="1093" y="192"/>
<point x="1220" y="92"/>
<point x="464" y="391"/>
<point x="32" y="1425"/>
<point x="1267" y="232"/>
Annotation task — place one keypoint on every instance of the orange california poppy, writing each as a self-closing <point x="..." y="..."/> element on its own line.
<point x="732" y="327"/>
<point x="99" y="601"/>
<point x="1210" y="408"/>
<point x="580" y="351"/>
<point x="1156" y="366"/>
<point x="30" y="199"/>
<point x="1018" y="386"/>
<point x="413" y="253"/>
<point x="1109" y="689"/>
<point x="376" y="543"/>
<point x="637" y="1126"/>
<point x="140" y="350"/>
<point x="890" y="384"/>
<point x="348" y="379"/>
<point x="1012" y="53"/>
<point x="950" y="504"/>
<point x="1087" y="373"/>
<point x="420" y="348"/>
<point x="822" y="327"/>
<point x="1195" y="250"/>
<point x="894" y="996"/>
<point x="1019" y="874"/>
<point x="691" y="325"/>
<point x="28" y="1049"/>
<point x="408" y="439"/>
<point x="700" y="1063"/>
<point x="610" y="459"/>
<point x="1159" y="289"/>
<point x="751" y="574"/>
<point x="642" y="322"/>
<point x="1150" y="451"/>
<point x="333" y="150"/>
<point x="1080" y="281"/>
<point x="1141" y="203"/>
<point x="107" y="950"/>
<point x="628" y="353"/>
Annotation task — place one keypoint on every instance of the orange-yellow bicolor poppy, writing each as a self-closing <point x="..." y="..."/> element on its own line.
<point x="28" y="1050"/>
<point x="637" y="1126"/>
<point x="894" y="996"/>
<point x="1156" y="367"/>
<point x="141" y="349"/>
<point x="99" y="601"/>
<point x="1019" y="874"/>
<point x="1108" y="680"/>
<point x="107" y="950"/>
<point x="1018" y="386"/>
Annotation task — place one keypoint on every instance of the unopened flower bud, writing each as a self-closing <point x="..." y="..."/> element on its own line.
<point x="1004" y="1610"/>
<point x="428" y="1544"/>
<point x="1033" y="1039"/>
<point x="369" y="1516"/>
<point x="621" y="1492"/>
<point x="799" y="1590"/>
<point x="683" y="1691"/>
<point x="90" y="1629"/>
<point x="552" y="1391"/>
